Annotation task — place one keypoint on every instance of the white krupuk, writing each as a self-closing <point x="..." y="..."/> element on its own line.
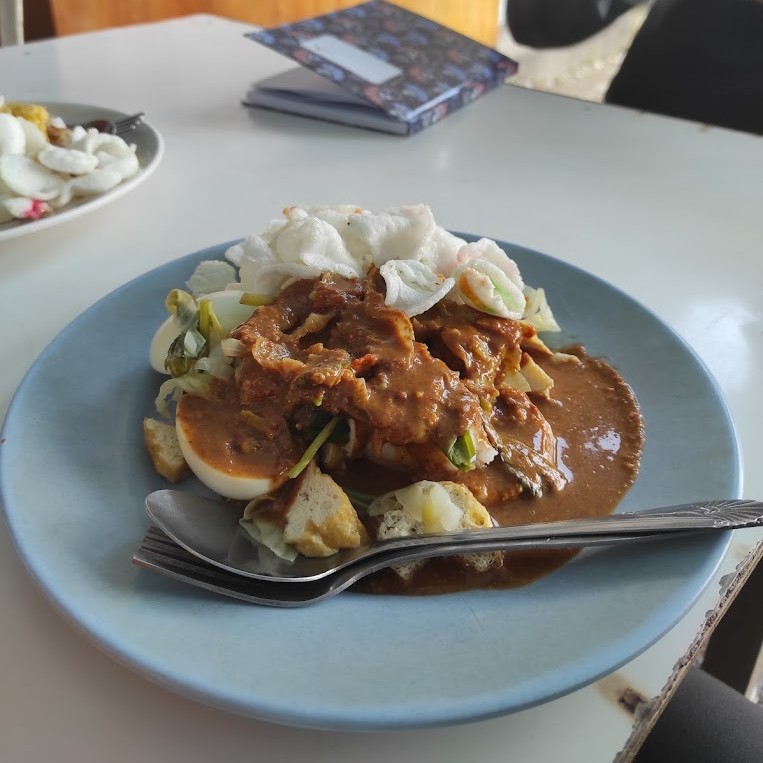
<point x="421" y="262"/>
<point x="12" y="137"/>
<point x="25" y="177"/>
<point x="70" y="161"/>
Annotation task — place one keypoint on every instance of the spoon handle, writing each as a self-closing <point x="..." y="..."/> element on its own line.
<point x="615" y="529"/>
<point x="209" y="529"/>
<point x="703" y="515"/>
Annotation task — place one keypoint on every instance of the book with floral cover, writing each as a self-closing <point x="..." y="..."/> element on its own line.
<point x="378" y="66"/>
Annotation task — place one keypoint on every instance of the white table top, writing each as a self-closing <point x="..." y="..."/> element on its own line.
<point x="667" y="210"/>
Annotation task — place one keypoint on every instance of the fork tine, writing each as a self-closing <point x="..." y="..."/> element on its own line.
<point x="131" y="119"/>
<point x="158" y="553"/>
<point x="129" y="123"/>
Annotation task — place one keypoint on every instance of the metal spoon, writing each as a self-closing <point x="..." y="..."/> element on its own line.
<point x="210" y="530"/>
<point x="162" y="555"/>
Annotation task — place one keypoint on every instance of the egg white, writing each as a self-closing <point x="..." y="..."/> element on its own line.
<point x="241" y="487"/>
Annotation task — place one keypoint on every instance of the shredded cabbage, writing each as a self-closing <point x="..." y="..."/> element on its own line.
<point x="485" y="287"/>
<point x="413" y="287"/>
<point x="538" y="312"/>
<point x="268" y="534"/>
<point x="196" y="382"/>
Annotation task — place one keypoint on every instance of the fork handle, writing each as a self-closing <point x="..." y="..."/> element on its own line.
<point x="703" y="515"/>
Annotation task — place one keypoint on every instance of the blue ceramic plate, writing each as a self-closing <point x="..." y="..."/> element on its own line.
<point x="74" y="474"/>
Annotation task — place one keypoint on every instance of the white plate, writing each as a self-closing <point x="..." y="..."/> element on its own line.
<point x="74" y="474"/>
<point x="150" y="149"/>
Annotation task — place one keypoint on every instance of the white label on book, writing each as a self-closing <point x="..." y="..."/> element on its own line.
<point x="361" y="64"/>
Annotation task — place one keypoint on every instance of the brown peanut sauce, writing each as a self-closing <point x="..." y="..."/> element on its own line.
<point x="591" y="410"/>
<point x="234" y="438"/>
<point x="333" y="344"/>
<point x="600" y="436"/>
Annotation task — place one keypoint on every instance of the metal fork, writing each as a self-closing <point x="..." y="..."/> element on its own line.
<point x="158" y="553"/>
<point x="118" y="126"/>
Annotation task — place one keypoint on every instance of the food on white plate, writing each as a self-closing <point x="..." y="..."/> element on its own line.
<point x="402" y="367"/>
<point x="45" y="165"/>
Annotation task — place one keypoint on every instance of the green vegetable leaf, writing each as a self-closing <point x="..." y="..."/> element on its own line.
<point x="183" y="306"/>
<point x="209" y="323"/>
<point x="178" y="362"/>
<point x="463" y="452"/>
<point x="312" y="449"/>
<point x="318" y="420"/>
<point x="359" y="500"/>
<point x="195" y="382"/>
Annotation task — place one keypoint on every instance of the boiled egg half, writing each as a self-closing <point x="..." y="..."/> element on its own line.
<point x="209" y="435"/>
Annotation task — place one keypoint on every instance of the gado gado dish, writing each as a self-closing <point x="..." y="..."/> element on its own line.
<point x="45" y="165"/>
<point x="352" y="375"/>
